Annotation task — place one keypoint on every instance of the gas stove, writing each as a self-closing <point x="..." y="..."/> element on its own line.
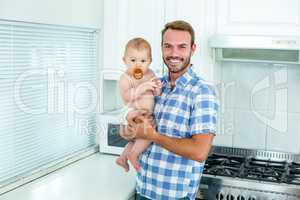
<point x="253" y="168"/>
<point x="243" y="174"/>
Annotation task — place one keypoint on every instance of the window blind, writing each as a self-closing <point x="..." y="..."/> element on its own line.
<point x="48" y="79"/>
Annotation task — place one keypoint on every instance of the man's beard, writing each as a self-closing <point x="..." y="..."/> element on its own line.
<point x="177" y="69"/>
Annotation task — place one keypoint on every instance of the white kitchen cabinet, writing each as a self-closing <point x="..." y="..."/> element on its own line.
<point x="126" y="19"/>
<point x="268" y="17"/>
<point x="111" y="35"/>
<point x="200" y="14"/>
<point x="145" y="19"/>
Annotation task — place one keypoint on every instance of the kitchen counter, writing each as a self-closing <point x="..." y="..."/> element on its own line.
<point x="93" y="178"/>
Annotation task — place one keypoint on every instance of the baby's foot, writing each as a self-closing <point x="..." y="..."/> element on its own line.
<point x="133" y="159"/>
<point x="123" y="163"/>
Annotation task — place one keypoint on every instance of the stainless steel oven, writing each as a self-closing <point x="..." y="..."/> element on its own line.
<point x="243" y="174"/>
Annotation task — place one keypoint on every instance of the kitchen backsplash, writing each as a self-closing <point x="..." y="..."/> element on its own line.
<point x="260" y="106"/>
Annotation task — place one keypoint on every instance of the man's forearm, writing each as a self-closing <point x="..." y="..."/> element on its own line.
<point x="195" y="148"/>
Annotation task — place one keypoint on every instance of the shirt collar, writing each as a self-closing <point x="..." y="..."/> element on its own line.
<point x="182" y="80"/>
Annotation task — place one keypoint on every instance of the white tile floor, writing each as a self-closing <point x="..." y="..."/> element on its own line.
<point x="94" y="178"/>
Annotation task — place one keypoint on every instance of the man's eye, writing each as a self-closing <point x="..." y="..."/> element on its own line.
<point x="132" y="60"/>
<point x="143" y="61"/>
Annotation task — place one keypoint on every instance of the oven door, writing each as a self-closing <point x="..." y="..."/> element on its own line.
<point x="210" y="189"/>
<point x="110" y="140"/>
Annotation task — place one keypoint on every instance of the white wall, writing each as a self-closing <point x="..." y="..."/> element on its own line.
<point x="85" y="13"/>
<point x="259" y="106"/>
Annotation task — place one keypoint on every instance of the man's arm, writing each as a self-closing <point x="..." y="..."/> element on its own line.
<point x="196" y="148"/>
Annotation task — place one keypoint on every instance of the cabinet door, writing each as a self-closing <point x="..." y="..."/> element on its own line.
<point x="143" y="18"/>
<point x="111" y="35"/>
<point x="268" y="17"/>
<point x="125" y="19"/>
<point x="200" y="14"/>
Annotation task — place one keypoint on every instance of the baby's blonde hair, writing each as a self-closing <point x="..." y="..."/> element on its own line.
<point x="138" y="44"/>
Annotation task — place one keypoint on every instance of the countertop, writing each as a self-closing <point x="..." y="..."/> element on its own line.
<point x="96" y="177"/>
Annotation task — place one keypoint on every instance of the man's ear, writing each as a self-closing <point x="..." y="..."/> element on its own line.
<point x="193" y="48"/>
<point x="123" y="59"/>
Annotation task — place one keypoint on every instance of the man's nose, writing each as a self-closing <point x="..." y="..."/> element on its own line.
<point x="174" y="52"/>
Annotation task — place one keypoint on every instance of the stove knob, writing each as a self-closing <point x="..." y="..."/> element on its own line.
<point x="252" y="198"/>
<point x="241" y="197"/>
<point x="220" y="196"/>
<point x="229" y="197"/>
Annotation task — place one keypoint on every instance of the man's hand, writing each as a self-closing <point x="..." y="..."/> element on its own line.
<point x="136" y="120"/>
<point x="143" y="129"/>
<point x="125" y="133"/>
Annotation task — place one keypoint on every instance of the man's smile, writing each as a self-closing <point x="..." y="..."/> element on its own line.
<point x="174" y="60"/>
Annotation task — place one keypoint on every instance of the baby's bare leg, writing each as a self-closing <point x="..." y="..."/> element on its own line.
<point x="138" y="147"/>
<point x="122" y="159"/>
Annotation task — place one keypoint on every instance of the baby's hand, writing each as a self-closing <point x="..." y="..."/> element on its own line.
<point x="158" y="83"/>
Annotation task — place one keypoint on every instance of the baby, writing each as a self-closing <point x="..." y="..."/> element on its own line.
<point x="138" y="86"/>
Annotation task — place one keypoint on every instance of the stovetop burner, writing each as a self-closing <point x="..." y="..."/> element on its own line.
<point x="253" y="168"/>
<point x="224" y="165"/>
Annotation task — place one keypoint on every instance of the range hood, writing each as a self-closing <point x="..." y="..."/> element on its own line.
<point x="247" y="48"/>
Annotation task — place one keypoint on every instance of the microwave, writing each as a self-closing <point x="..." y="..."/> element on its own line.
<point x="110" y="140"/>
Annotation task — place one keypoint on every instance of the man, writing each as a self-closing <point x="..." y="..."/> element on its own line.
<point x="185" y="117"/>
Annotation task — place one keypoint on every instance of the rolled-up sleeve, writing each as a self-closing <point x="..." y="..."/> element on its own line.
<point x="204" y="112"/>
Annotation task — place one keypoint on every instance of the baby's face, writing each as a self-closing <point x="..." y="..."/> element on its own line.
<point x="137" y="59"/>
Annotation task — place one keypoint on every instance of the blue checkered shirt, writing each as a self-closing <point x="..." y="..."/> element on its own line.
<point x="189" y="108"/>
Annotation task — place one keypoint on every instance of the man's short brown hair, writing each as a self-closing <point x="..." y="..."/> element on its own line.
<point x="138" y="44"/>
<point x="181" y="26"/>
